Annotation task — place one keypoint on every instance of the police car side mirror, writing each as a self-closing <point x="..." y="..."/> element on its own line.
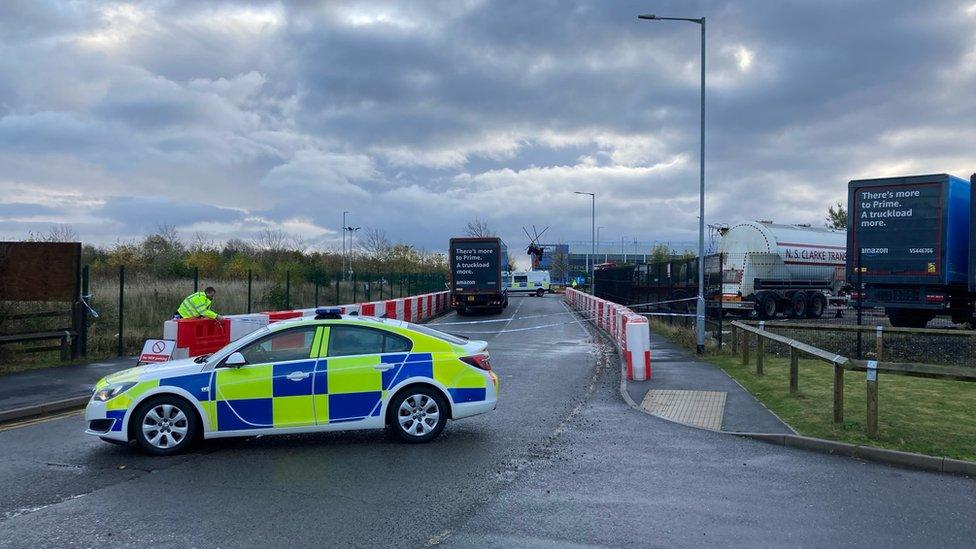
<point x="235" y="360"/>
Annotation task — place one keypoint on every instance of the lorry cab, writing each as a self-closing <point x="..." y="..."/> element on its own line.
<point x="527" y="282"/>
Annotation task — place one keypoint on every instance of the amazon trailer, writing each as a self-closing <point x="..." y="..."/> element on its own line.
<point x="910" y="239"/>
<point x="772" y="269"/>
<point x="528" y="282"/>
<point x="476" y="274"/>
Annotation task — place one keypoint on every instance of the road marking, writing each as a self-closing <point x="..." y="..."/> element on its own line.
<point x="36" y="420"/>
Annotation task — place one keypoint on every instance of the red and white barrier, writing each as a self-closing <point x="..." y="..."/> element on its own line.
<point x="198" y="336"/>
<point x="628" y="329"/>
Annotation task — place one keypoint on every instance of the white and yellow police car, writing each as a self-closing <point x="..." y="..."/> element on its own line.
<point x="328" y="373"/>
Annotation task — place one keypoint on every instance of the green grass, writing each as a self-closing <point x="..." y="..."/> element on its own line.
<point x="926" y="416"/>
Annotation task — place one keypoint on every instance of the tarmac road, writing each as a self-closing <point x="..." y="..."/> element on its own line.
<point x="563" y="461"/>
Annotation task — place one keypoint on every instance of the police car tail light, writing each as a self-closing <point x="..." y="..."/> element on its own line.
<point x="479" y="361"/>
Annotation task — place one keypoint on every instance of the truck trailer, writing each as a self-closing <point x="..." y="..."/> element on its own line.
<point x="909" y="243"/>
<point x="476" y="274"/>
<point x="769" y="268"/>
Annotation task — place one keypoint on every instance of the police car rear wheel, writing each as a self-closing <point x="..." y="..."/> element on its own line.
<point x="165" y="425"/>
<point x="418" y="415"/>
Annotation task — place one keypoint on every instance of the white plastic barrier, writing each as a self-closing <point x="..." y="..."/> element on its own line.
<point x="210" y="336"/>
<point x="628" y="329"/>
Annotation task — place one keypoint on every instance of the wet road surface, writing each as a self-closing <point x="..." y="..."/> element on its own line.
<point x="562" y="462"/>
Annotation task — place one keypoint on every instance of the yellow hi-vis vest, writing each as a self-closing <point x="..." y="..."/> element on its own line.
<point x="195" y="306"/>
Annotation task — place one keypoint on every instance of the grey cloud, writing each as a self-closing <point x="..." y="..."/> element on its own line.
<point x="140" y="215"/>
<point x="20" y="209"/>
<point x="439" y="112"/>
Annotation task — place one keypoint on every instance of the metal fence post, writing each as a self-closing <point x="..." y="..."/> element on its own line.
<point x="83" y="325"/>
<point x="249" y="274"/>
<point x="287" y="289"/>
<point x="196" y="279"/>
<point x="121" y="348"/>
<point x="338" y="275"/>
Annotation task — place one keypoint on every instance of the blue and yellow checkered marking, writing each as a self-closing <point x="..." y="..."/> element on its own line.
<point x="337" y="389"/>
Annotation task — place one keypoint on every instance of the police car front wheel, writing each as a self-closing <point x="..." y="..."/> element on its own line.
<point x="417" y="415"/>
<point x="165" y="425"/>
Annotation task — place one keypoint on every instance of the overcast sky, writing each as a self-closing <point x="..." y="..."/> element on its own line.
<point x="229" y="117"/>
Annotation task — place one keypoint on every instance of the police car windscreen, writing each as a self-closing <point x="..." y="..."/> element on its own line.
<point x="898" y="229"/>
<point x="476" y="265"/>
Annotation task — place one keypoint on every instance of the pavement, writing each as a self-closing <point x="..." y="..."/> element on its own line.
<point x="676" y="369"/>
<point x="562" y="462"/>
<point x="34" y="388"/>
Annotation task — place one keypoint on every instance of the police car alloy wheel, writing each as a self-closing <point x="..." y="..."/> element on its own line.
<point x="418" y="415"/>
<point x="165" y="425"/>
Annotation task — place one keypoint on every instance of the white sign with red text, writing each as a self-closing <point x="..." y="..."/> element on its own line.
<point x="157" y="350"/>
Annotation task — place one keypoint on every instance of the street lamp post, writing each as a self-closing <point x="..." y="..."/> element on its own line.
<point x="591" y="264"/>
<point x="342" y="260"/>
<point x="598" y="240"/>
<point x="700" y="309"/>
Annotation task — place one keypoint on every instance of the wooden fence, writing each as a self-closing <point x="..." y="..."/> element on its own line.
<point x="740" y="343"/>
<point x="879" y="331"/>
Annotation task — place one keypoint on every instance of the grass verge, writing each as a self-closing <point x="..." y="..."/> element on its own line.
<point x="925" y="416"/>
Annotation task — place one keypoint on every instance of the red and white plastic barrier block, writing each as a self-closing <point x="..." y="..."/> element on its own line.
<point x="198" y="336"/>
<point x="628" y="329"/>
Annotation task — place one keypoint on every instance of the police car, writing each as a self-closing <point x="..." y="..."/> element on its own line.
<point x="328" y="373"/>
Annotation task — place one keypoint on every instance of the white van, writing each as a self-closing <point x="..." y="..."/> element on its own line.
<point x="527" y="282"/>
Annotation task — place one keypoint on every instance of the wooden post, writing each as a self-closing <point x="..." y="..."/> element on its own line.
<point x="838" y="394"/>
<point x="872" y="386"/>
<point x="760" y="351"/>
<point x="879" y="343"/>
<point x="735" y="339"/>
<point x="745" y="347"/>
<point x="794" y="370"/>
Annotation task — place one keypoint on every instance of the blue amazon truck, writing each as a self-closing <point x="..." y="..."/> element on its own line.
<point x="908" y="242"/>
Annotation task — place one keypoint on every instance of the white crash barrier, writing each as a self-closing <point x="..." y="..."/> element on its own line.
<point x="628" y="329"/>
<point x="195" y="337"/>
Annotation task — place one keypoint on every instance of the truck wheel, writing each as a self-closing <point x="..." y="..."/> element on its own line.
<point x="540" y="292"/>
<point x="816" y="305"/>
<point x="908" y="318"/>
<point x="798" y="305"/>
<point x="766" y="306"/>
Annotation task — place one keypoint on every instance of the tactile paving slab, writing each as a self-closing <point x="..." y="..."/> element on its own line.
<point x="703" y="409"/>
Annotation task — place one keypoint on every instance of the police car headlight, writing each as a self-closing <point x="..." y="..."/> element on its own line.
<point x="112" y="391"/>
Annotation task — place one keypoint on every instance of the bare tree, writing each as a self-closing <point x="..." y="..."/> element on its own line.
<point x="375" y="243"/>
<point x="272" y="240"/>
<point x="57" y="233"/>
<point x="168" y="234"/>
<point x="478" y="228"/>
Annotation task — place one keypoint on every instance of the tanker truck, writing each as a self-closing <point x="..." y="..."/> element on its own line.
<point x="770" y="269"/>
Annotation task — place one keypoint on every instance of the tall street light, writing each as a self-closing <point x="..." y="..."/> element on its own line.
<point x="591" y="264"/>
<point x="342" y="260"/>
<point x="700" y="309"/>
<point x="598" y="236"/>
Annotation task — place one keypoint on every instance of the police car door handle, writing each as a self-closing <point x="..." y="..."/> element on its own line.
<point x="383" y="366"/>
<point x="297" y="376"/>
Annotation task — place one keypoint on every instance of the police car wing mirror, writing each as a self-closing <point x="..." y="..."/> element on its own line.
<point x="235" y="360"/>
